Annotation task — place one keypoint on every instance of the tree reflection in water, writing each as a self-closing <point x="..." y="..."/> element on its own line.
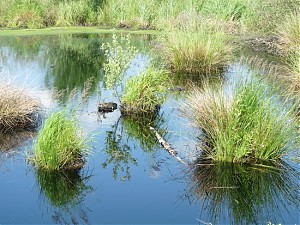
<point x="64" y="190"/>
<point x="131" y="133"/>
<point x="244" y="194"/>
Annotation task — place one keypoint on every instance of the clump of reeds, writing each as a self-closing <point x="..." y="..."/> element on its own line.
<point x="204" y="50"/>
<point x="294" y="71"/>
<point x="145" y="92"/>
<point x="289" y="33"/>
<point x="244" y="126"/>
<point x="60" y="144"/>
<point x="18" y="110"/>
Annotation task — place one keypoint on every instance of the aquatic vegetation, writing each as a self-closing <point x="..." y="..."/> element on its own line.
<point x="59" y="144"/>
<point x="119" y="54"/>
<point x="145" y="92"/>
<point x="243" y="126"/>
<point x="204" y="51"/>
<point x="245" y="194"/>
<point x="18" y="109"/>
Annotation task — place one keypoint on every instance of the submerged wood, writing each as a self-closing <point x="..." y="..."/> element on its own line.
<point x="105" y="107"/>
<point x="167" y="146"/>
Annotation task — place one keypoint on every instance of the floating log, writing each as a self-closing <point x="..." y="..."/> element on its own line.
<point x="167" y="146"/>
<point x="105" y="107"/>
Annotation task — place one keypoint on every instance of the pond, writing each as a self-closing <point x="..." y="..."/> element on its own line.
<point x="128" y="178"/>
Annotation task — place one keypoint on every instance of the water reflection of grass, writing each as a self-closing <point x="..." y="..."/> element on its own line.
<point x="13" y="140"/>
<point x="127" y="134"/>
<point x="72" y="62"/>
<point x="137" y="128"/>
<point x="118" y="153"/>
<point x="63" y="188"/>
<point x="246" y="194"/>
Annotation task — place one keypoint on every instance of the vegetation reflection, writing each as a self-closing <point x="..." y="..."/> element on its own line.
<point x="243" y="193"/>
<point x="119" y="149"/>
<point x="63" y="189"/>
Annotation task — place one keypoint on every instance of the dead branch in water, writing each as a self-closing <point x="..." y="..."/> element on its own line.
<point x="167" y="146"/>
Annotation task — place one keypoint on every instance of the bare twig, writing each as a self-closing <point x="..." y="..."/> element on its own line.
<point x="167" y="146"/>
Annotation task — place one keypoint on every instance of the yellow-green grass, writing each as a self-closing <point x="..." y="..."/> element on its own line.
<point x="60" y="144"/>
<point x="294" y="68"/>
<point x="289" y="33"/>
<point x="145" y="92"/>
<point x="204" y="51"/>
<point x="245" y="126"/>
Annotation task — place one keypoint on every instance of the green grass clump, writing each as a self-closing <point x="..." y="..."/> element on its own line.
<point x="243" y="127"/>
<point x="59" y="145"/>
<point x="204" y="51"/>
<point x="145" y="92"/>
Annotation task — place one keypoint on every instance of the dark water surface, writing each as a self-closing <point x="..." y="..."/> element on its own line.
<point x="128" y="178"/>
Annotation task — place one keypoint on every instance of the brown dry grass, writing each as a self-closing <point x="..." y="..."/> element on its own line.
<point x="17" y="108"/>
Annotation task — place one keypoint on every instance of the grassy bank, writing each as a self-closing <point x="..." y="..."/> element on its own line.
<point x="72" y="30"/>
<point x="153" y="14"/>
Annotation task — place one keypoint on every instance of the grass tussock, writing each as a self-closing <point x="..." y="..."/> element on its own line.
<point x="245" y="126"/>
<point x="289" y="33"/>
<point x="145" y="92"/>
<point x="202" y="51"/>
<point x="18" y="110"/>
<point x="59" y="144"/>
<point x="294" y="71"/>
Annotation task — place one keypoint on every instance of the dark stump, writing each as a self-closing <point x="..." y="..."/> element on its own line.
<point x="105" y="107"/>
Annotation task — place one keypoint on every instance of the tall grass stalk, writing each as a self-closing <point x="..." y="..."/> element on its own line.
<point x="243" y="127"/>
<point x="59" y="144"/>
<point x="145" y="92"/>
